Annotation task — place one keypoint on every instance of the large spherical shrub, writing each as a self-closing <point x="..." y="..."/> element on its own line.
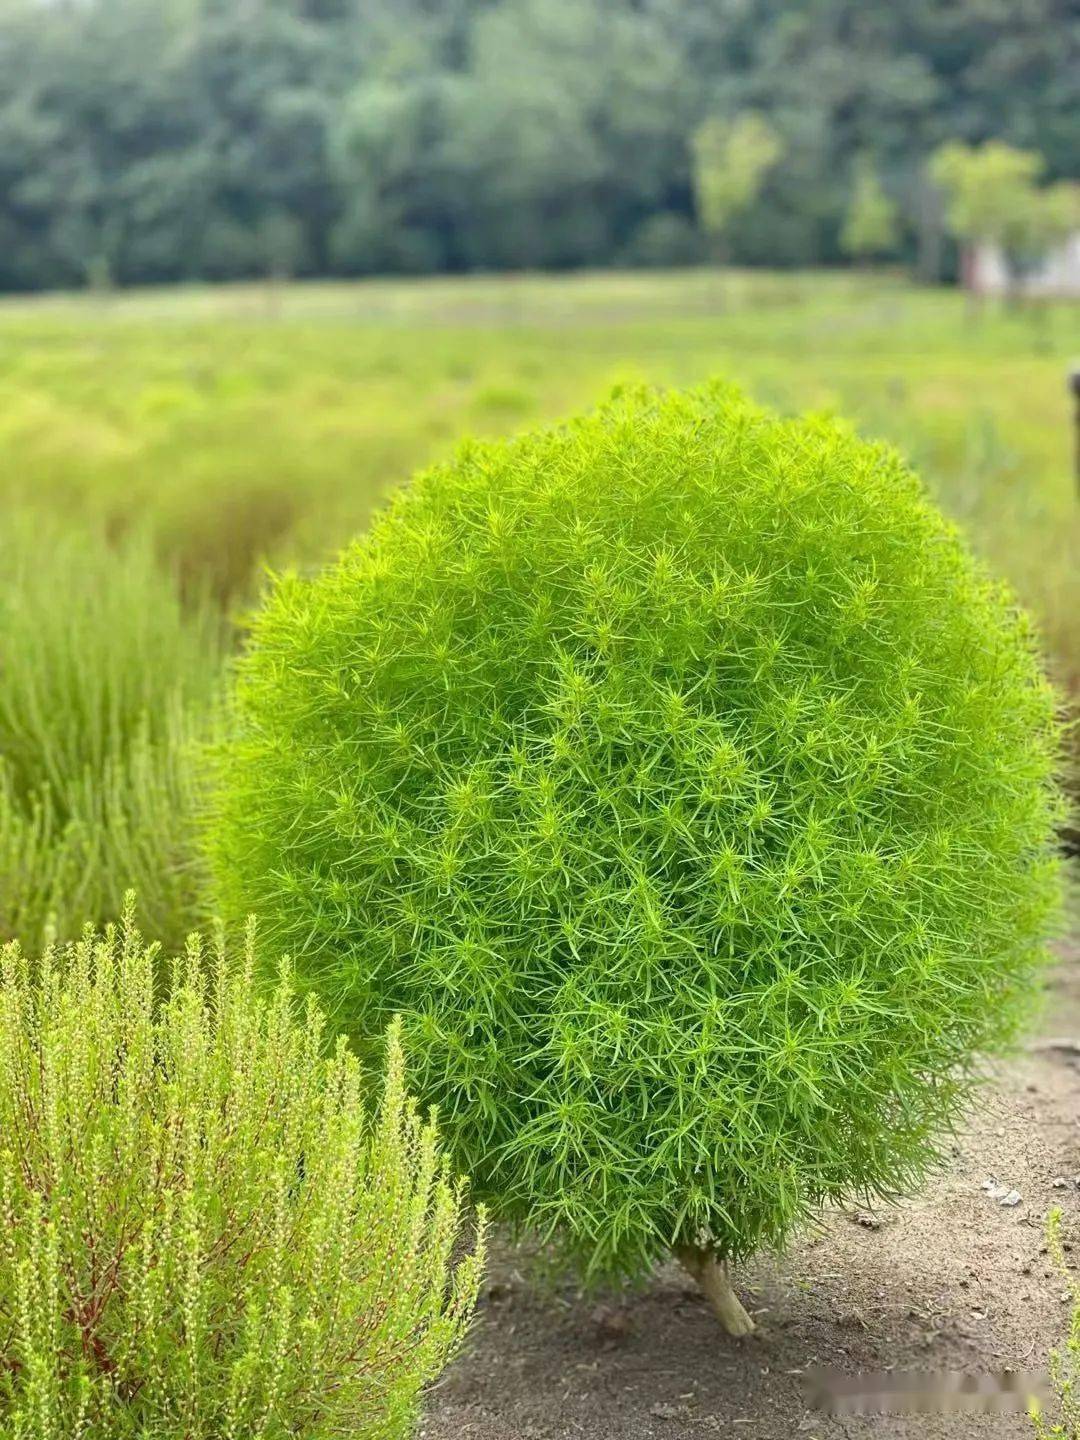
<point x="680" y="778"/>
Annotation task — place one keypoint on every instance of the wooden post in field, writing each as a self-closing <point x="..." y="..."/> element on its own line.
<point x="1074" y="387"/>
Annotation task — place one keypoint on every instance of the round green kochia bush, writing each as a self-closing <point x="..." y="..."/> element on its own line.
<point x="685" y="785"/>
<point x="205" y="1234"/>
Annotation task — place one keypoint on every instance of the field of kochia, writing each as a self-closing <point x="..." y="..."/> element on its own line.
<point x="253" y="424"/>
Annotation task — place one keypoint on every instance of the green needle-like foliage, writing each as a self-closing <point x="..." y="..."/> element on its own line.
<point x="107" y="687"/>
<point x="1064" y="1424"/>
<point x="205" y="1234"/>
<point x="685" y="784"/>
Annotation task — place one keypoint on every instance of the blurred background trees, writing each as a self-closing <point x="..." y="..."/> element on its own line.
<point x="988" y="191"/>
<point x="155" y="140"/>
<point x="731" y="161"/>
<point x="872" y="222"/>
<point x="994" y="203"/>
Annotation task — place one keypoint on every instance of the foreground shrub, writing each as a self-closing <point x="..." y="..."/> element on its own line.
<point x="681" y="779"/>
<point x="106" y="683"/>
<point x="203" y="1234"/>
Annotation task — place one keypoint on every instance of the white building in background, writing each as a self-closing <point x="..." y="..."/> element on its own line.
<point x="1057" y="275"/>
<point x="986" y="271"/>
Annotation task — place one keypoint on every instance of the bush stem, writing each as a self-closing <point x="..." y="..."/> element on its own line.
<point x="711" y="1273"/>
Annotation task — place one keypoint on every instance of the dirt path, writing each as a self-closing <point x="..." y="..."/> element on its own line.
<point x="955" y="1280"/>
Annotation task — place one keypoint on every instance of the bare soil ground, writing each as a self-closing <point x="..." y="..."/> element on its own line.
<point x="954" y="1280"/>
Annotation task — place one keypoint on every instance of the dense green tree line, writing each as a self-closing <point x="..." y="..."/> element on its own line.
<point x="145" y="140"/>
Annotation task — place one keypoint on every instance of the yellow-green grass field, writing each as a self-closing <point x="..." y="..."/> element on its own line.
<point x="205" y="432"/>
<point x="255" y="423"/>
<point x="197" y="434"/>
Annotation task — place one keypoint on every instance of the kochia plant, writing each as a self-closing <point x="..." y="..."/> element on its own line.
<point x="203" y="1233"/>
<point x="107" y="686"/>
<point x="681" y="779"/>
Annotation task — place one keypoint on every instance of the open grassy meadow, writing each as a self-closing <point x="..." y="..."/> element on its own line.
<point x="253" y="423"/>
<point x="160" y="448"/>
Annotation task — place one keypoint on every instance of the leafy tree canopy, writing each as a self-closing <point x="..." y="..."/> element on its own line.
<point x="145" y="140"/>
<point x="731" y="161"/>
<point x="871" y="225"/>
<point x="988" y="188"/>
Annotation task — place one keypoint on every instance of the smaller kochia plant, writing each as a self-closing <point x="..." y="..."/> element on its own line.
<point x="204" y="1231"/>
